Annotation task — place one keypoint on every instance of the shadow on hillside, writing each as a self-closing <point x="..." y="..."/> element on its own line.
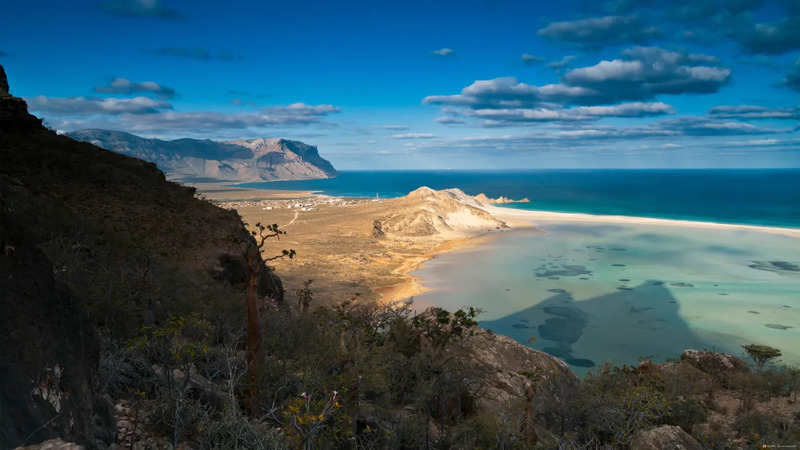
<point x="619" y="327"/>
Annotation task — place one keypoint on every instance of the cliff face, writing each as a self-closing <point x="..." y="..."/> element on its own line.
<point x="49" y="348"/>
<point x="92" y="237"/>
<point x="237" y="161"/>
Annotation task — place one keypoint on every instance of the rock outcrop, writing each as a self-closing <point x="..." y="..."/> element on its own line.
<point x="667" y="437"/>
<point x="3" y="82"/>
<point x="14" y="115"/>
<point x="448" y="211"/>
<point x="506" y="366"/>
<point x="49" y="348"/>
<point x="483" y="199"/>
<point x="241" y="161"/>
<point x="714" y="362"/>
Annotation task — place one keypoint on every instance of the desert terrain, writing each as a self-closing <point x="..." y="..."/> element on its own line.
<point x="362" y="247"/>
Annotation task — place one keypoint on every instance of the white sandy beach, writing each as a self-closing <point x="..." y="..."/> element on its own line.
<point x="524" y="218"/>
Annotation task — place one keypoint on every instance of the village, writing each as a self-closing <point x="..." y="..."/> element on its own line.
<point x="297" y="203"/>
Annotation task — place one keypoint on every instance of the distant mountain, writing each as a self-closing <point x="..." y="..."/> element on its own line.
<point x="241" y="161"/>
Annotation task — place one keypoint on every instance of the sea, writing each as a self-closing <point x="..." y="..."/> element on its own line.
<point x="595" y="293"/>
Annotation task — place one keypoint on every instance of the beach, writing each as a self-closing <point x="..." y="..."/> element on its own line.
<point x="526" y="217"/>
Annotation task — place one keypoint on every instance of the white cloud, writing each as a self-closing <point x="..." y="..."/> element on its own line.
<point x="128" y="87"/>
<point x="444" y="52"/>
<point x="86" y="106"/>
<point x="530" y="60"/>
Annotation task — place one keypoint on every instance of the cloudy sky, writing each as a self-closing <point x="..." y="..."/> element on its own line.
<point x="437" y="84"/>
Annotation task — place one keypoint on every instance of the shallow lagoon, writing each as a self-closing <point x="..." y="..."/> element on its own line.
<point x="590" y="293"/>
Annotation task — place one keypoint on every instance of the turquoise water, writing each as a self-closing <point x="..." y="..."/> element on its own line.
<point x="594" y="293"/>
<point x="758" y="197"/>
<point x="590" y="293"/>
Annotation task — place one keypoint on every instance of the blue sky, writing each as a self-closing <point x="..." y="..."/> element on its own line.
<point x="437" y="84"/>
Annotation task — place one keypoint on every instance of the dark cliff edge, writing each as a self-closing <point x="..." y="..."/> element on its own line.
<point x="91" y="237"/>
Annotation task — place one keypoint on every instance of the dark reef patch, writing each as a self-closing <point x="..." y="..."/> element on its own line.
<point x="779" y="267"/>
<point x="579" y="362"/>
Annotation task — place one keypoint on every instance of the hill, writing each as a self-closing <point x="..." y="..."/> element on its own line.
<point x="249" y="160"/>
<point x="92" y="239"/>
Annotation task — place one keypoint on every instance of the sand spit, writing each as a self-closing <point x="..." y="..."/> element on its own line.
<point x="511" y="215"/>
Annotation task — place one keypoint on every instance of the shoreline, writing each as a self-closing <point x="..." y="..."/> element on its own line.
<point x="550" y="216"/>
<point x="519" y="219"/>
<point x="525" y="217"/>
<point x="412" y="284"/>
<point x="428" y="248"/>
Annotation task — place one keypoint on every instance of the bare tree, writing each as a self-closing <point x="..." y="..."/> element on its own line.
<point x="262" y="233"/>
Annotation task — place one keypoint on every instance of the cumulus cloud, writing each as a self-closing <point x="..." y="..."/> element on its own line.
<point x="412" y="136"/>
<point x="531" y="60"/>
<point x="598" y="32"/>
<point x="644" y="72"/>
<point x="641" y="74"/>
<point x="754" y="112"/>
<point x="138" y="9"/>
<point x="128" y="87"/>
<point x="196" y="53"/>
<point x="86" y="106"/>
<point x="444" y="52"/>
<point x="145" y="116"/>
<point x="772" y="38"/>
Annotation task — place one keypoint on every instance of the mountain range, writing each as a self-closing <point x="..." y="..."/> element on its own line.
<point x="187" y="160"/>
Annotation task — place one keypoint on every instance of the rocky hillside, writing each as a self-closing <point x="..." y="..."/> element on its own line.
<point x="90" y="238"/>
<point x="241" y="161"/>
<point x="426" y="212"/>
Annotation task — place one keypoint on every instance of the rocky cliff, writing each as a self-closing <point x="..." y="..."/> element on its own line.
<point x="241" y="161"/>
<point x="90" y="237"/>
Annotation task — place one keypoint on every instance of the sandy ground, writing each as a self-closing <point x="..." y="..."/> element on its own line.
<point x="337" y="246"/>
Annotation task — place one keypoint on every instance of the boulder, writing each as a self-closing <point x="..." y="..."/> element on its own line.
<point x="508" y="369"/>
<point x="667" y="437"/>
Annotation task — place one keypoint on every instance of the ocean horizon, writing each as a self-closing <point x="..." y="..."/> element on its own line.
<point x="765" y="197"/>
